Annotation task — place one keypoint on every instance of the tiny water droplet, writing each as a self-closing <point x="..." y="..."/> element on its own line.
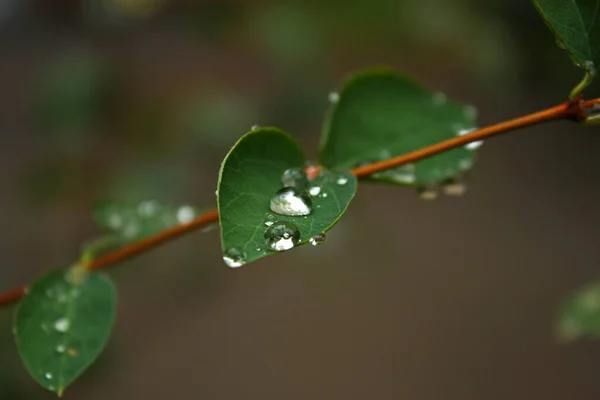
<point x="60" y="348"/>
<point x="294" y="177"/>
<point x="115" y="221"/>
<point x="439" y="98"/>
<point x="318" y="239"/>
<point x="324" y="194"/>
<point x="270" y="219"/>
<point x="147" y="208"/>
<point x="342" y="180"/>
<point x="472" y="145"/>
<point x="48" y="375"/>
<point x="291" y="201"/>
<point x="314" y="190"/>
<point x="282" y="236"/>
<point x="185" y="214"/>
<point x="334" y="97"/>
<point x="234" y="258"/>
<point x="428" y="193"/>
<point x="254" y="127"/>
<point x="61" y="325"/>
<point x="454" y="188"/>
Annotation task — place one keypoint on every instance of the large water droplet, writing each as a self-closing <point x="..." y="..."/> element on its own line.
<point x="334" y="97"/>
<point x="270" y="219"/>
<point x="318" y="239"/>
<point x="234" y="258"/>
<point x="428" y="193"/>
<point x="291" y="201"/>
<point x="61" y="325"/>
<point x="282" y="236"/>
<point x="294" y="177"/>
<point x="185" y="214"/>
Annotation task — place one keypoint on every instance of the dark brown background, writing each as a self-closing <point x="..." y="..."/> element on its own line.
<point x="451" y="299"/>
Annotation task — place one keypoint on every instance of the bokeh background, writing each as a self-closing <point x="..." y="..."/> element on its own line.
<point x="450" y="299"/>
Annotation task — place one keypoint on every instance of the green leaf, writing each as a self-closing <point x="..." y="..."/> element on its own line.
<point x="379" y="115"/>
<point x="62" y="325"/>
<point x="580" y="316"/>
<point x="576" y="26"/>
<point x="249" y="177"/>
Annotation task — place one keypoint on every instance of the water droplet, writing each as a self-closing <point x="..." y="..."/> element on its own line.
<point x="291" y="201"/>
<point x="185" y="214"/>
<point x="48" y="375"/>
<point x="472" y="145"/>
<point x="318" y="239"/>
<point x="454" y="188"/>
<point x="342" y="180"/>
<point x="282" y="236"/>
<point x="270" y="219"/>
<point x="324" y="194"/>
<point x="60" y="348"/>
<point x="115" y="221"/>
<point x="464" y="164"/>
<point x="147" y="208"/>
<point x="234" y="258"/>
<point x="314" y="190"/>
<point x="294" y="177"/>
<point x="254" y="127"/>
<point x="61" y="325"/>
<point x="439" y="98"/>
<point x="131" y="230"/>
<point x="334" y="97"/>
<point x="428" y="193"/>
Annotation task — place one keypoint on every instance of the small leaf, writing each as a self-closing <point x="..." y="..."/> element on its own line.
<point x="250" y="176"/>
<point x="576" y="26"/>
<point x="379" y="115"/>
<point x="580" y="316"/>
<point x="134" y="221"/>
<point x="62" y="325"/>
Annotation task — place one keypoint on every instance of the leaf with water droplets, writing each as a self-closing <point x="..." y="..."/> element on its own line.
<point x="62" y="325"/>
<point x="380" y="115"/>
<point x="249" y="210"/>
<point x="132" y="221"/>
<point x="576" y="27"/>
<point x="580" y="316"/>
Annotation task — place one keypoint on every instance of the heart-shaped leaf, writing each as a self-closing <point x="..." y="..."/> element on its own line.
<point x="576" y="27"/>
<point x="62" y="325"/>
<point x="379" y="114"/>
<point x="250" y="176"/>
<point x="580" y="316"/>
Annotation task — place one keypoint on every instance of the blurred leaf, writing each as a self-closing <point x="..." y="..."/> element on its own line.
<point x="250" y="176"/>
<point x="379" y="115"/>
<point x="580" y="316"/>
<point x="134" y="221"/>
<point x="62" y="325"/>
<point x="576" y="28"/>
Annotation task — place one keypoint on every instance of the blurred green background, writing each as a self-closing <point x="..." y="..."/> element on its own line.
<point x="454" y="299"/>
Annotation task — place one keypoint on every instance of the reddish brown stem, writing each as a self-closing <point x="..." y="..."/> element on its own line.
<point x="572" y="110"/>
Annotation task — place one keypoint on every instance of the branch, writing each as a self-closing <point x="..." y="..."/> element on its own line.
<point x="571" y="110"/>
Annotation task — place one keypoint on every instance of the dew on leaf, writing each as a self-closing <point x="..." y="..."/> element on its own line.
<point x="454" y="188"/>
<point x="472" y="145"/>
<point x="282" y="236"/>
<point x="48" y="375"/>
<point x="294" y="177"/>
<point x="439" y="98"/>
<point x="334" y="97"/>
<point x="147" y="208"/>
<point x="254" y="127"/>
<point x="60" y="348"/>
<point x="342" y="180"/>
<point x="324" y="194"/>
<point x="291" y="201"/>
<point x="115" y="221"/>
<point x="318" y="239"/>
<point x="234" y="258"/>
<point x="470" y="112"/>
<point x="61" y="325"/>
<point x="314" y="190"/>
<point x="185" y="214"/>
<point x="428" y="193"/>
